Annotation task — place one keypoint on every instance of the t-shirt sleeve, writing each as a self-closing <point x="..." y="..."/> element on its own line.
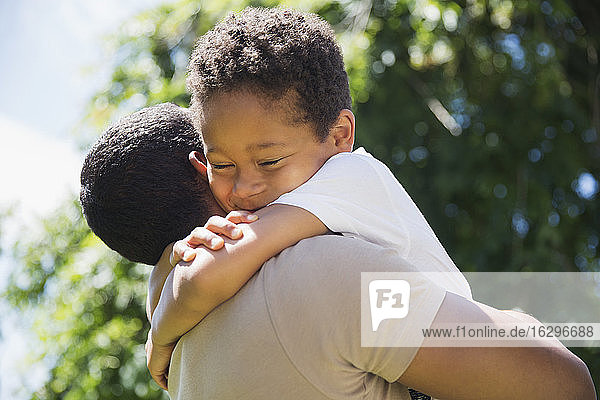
<point x="350" y="195"/>
<point x="323" y="294"/>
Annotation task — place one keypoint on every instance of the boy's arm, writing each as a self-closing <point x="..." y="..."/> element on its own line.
<point x="156" y="281"/>
<point x="194" y="289"/>
<point x="182" y="249"/>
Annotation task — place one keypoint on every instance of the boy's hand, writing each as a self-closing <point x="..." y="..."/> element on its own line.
<point x="158" y="358"/>
<point x="209" y="235"/>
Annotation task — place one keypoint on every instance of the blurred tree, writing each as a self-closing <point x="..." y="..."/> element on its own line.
<point x="487" y="112"/>
<point x="87" y="306"/>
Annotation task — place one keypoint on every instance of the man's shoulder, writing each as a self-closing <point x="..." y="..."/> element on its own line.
<point x="330" y="259"/>
<point x="314" y="296"/>
<point x="332" y="252"/>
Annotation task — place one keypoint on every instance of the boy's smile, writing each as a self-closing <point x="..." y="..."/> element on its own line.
<point x="255" y="152"/>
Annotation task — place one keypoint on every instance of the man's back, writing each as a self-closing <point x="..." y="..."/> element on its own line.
<point x="293" y="331"/>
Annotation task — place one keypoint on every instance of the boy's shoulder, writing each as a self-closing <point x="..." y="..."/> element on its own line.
<point x="358" y="157"/>
<point x="360" y="165"/>
<point x="357" y="154"/>
<point x="350" y="178"/>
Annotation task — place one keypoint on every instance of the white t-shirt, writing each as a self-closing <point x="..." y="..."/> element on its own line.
<point x="357" y="195"/>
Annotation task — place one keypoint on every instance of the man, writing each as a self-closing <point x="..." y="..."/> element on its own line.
<point x="293" y="331"/>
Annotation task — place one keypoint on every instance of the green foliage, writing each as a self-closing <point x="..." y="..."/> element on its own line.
<point x="487" y="112"/>
<point x="87" y="305"/>
<point x="437" y="114"/>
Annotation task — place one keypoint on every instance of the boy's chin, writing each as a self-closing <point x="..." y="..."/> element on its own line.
<point x="251" y="209"/>
<point x="251" y="205"/>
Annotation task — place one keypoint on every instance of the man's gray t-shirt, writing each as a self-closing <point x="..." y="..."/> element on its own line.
<point x="293" y="331"/>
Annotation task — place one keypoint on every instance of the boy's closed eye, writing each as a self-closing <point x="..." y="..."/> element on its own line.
<point x="221" y="166"/>
<point x="270" y="163"/>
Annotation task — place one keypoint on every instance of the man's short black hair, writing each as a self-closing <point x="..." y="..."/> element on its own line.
<point x="273" y="52"/>
<point x="139" y="192"/>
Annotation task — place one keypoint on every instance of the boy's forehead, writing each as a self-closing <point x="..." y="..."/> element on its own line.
<point x="241" y="103"/>
<point x="250" y="147"/>
<point x="243" y="122"/>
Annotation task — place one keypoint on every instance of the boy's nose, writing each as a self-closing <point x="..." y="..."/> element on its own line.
<point x="246" y="188"/>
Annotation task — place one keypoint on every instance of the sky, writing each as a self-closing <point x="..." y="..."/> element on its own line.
<point x="57" y="61"/>
<point x="54" y="60"/>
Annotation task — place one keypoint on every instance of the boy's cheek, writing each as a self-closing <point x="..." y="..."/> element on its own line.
<point x="219" y="191"/>
<point x="215" y="183"/>
<point x="221" y="195"/>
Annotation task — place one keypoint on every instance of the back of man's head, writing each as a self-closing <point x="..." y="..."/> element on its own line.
<point x="139" y="192"/>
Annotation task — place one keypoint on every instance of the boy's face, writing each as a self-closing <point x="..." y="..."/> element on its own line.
<point x="254" y="154"/>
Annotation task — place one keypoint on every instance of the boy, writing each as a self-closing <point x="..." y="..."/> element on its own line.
<point x="270" y="97"/>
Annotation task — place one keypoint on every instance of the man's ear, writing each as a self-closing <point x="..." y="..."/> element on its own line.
<point x="196" y="159"/>
<point x="343" y="131"/>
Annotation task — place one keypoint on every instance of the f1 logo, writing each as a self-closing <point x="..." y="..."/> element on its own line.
<point x="389" y="299"/>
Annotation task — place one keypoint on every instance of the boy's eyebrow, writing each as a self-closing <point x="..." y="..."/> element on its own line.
<point x="251" y="147"/>
<point x="262" y="146"/>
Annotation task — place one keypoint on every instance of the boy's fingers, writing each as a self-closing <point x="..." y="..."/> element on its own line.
<point x="222" y="226"/>
<point x="181" y="252"/>
<point x="203" y="236"/>
<point x="241" y="216"/>
<point x="188" y="255"/>
<point x="179" y="249"/>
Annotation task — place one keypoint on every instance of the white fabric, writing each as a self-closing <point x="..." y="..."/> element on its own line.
<point x="357" y="195"/>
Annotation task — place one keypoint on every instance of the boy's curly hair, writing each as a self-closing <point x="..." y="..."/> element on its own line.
<point x="273" y="52"/>
<point x="138" y="191"/>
